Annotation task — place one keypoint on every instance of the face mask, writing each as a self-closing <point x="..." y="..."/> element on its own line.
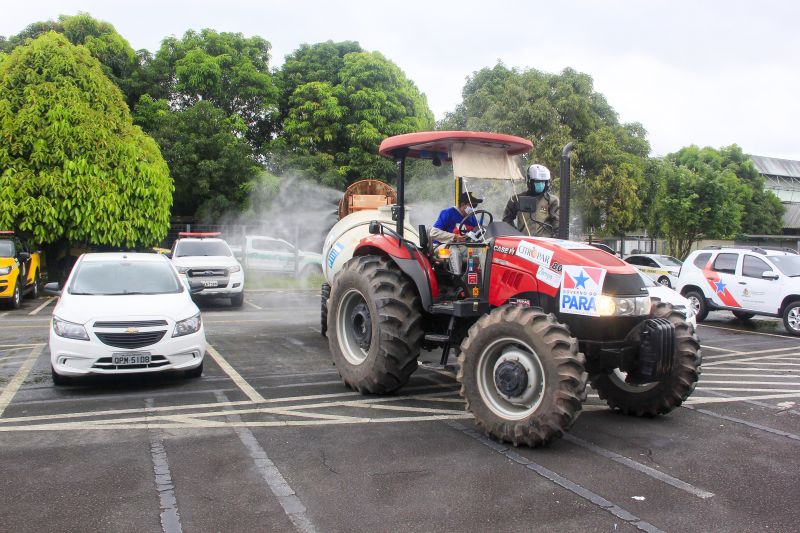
<point x="468" y="210"/>
<point x="538" y="186"/>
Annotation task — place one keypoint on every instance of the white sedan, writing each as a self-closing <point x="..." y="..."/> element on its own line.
<point x="662" y="269"/>
<point x="672" y="297"/>
<point x="124" y="313"/>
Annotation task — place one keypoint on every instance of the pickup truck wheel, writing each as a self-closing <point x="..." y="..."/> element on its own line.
<point x="237" y="300"/>
<point x="37" y="283"/>
<point x="669" y="392"/>
<point x="324" y="293"/>
<point x="791" y="318"/>
<point x="664" y="280"/>
<point x="522" y="376"/>
<point x="374" y="325"/>
<point x="699" y="305"/>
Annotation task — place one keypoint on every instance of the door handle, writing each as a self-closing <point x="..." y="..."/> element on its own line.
<point x="742" y="283"/>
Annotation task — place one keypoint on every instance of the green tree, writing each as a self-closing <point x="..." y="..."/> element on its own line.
<point x="226" y="69"/>
<point x="73" y="167"/>
<point x="207" y="154"/>
<point x="340" y="104"/>
<point x="700" y="201"/>
<point x="552" y="110"/>
<point x="119" y="61"/>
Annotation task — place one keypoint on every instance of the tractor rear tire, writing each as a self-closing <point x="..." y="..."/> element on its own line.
<point x="374" y="325"/>
<point x="324" y="293"/>
<point x="522" y="376"/>
<point x="661" y="397"/>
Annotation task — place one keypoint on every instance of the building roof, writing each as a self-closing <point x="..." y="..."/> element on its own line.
<point x="772" y="166"/>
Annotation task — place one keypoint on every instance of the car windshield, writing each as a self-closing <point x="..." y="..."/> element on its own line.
<point x="109" y="278"/>
<point x="788" y="264"/>
<point x="195" y="248"/>
<point x="6" y="249"/>
<point x="668" y="260"/>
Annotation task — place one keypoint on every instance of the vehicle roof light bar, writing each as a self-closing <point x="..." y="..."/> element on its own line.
<point x="7" y="232"/>
<point x="199" y="234"/>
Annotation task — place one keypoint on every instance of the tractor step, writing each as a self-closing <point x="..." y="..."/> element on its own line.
<point x="469" y="307"/>
<point x="436" y="338"/>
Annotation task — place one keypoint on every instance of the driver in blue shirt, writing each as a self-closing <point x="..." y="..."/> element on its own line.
<point x="443" y="229"/>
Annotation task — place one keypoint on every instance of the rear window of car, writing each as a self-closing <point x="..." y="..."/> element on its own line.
<point x="668" y="260"/>
<point x="726" y="263"/>
<point x="635" y="260"/>
<point x="701" y="260"/>
<point x="788" y="264"/>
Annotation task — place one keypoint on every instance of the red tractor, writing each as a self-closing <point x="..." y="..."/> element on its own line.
<point x="533" y="318"/>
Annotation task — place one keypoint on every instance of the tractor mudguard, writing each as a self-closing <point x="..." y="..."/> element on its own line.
<point x="411" y="261"/>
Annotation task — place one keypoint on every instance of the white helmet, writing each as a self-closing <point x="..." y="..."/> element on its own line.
<point x="538" y="173"/>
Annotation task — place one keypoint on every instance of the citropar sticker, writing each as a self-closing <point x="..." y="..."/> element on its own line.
<point x="580" y="288"/>
<point x="535" y="254"/>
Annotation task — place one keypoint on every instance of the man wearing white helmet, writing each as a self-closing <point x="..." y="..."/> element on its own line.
<point x="535" y="211"/>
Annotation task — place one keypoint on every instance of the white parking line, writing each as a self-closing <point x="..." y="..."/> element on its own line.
<point x="745" y="360"/>
<point x="754" y="352"/>
<point x="705" y="381"/>
<point x="237" y="378"/>
<point x="248" y="302"/>
<point x="4" y="346"/>
<point x="775" y="376"/>
<point x="693" y="400"/>
<point x="787" y="337"/>
<point x="639" y="467"/>
<point x="4" y="313"/>
<point x="45" y="304"/>
<point x="287" y="498"/>
<point x="16" y="382"/>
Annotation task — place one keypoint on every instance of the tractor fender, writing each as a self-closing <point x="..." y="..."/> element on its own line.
<point x="412" y="262"/>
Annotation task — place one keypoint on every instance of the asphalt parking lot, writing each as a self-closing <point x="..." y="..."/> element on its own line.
<point x="270" y="440"/>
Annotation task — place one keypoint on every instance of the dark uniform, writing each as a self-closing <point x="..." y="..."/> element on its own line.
<point x="545" y="212"/>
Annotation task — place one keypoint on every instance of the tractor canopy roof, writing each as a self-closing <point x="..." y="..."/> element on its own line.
<point x="475" y="154"/>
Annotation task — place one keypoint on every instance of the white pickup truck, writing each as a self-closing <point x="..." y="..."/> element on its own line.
<point x="276" y="256"/>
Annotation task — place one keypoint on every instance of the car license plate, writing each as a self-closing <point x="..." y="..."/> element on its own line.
<point x="130" y="358"/>
<point x="210" y="283"/>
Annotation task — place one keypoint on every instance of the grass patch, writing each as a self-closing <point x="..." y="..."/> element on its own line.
<point x="263" y="280"/>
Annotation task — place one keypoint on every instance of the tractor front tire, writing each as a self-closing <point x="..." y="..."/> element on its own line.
<point x="661" y="397"/>
<point x="324" y="293"/>
<point x="374" y="325"/>
<point x="522" y="376"/>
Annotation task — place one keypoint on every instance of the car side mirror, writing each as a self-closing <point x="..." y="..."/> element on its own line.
<point x="374" y="227"/>
<point x="52" y="288"/>
<point x="770" y="275"/>
<point x="24" y="256"/>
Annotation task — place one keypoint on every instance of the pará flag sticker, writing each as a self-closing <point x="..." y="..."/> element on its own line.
<point x="580" y="288"/>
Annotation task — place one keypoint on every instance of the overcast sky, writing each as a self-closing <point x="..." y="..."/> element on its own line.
<point x="692" y="72"/>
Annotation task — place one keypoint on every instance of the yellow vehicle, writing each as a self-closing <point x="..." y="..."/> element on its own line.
<point x="20" y="270"/>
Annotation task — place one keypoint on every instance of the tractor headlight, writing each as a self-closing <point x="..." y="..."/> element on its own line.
<point x="622" y="306"/>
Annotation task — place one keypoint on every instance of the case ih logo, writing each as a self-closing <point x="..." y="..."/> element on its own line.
<point x="580" y="287"/>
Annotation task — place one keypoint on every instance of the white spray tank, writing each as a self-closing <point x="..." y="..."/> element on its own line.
<point x="344" y="237"/>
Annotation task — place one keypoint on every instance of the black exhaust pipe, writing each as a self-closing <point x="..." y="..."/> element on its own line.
<point x="563" y="195"/>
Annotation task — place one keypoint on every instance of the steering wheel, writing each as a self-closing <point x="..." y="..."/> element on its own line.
<point x="480" y="215"/>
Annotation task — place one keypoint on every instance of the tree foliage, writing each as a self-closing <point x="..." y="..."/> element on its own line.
<point x="207" y="154"/>
<point x="73" y="166"/>
<point x="115" y="54"/>
<point x="340" y="103"/>
<point x="228" y="70"/>
<point x="552" y="110"/>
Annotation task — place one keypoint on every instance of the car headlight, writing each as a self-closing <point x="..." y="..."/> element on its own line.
<point x="622" y="306"/>
<point x="233" y="269"/>
<point x="182" y="270"/>
<point x="5" y="270"/>
<point x="69" y="330"/>
<point x="188" y="326"/>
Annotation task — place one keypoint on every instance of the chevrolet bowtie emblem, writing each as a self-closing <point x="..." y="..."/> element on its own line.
<point x="132" y="330"/>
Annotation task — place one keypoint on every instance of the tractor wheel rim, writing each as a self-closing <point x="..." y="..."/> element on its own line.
<point x="355" y="327"/>
<point x="794" y="318"/>
<point x="510" y="351"/>
<point x="618" y="378"/>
